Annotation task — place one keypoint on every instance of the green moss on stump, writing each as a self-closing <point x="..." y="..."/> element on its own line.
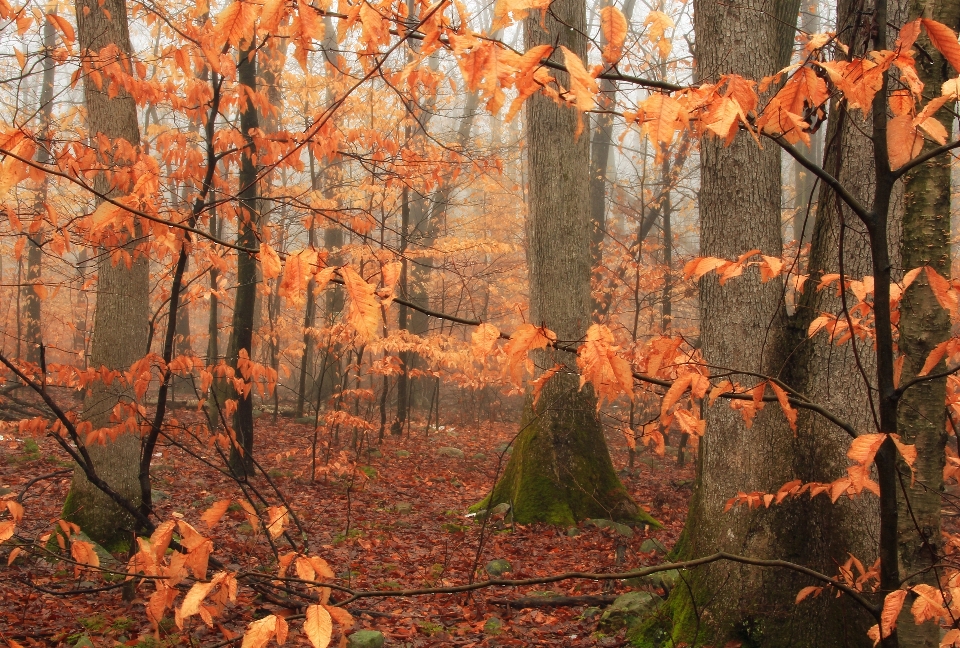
<point x="560" y="471"/>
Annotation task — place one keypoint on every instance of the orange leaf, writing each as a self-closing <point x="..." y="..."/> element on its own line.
<point x="260" y="632"/>
<point x="942" y="290"/>
<point x="542" y="380"/>
<point x="64" y="27"/>
<point x="614" y="26"/>
<point x="213" y="514"/>
<point x="269" y="262"/>
<point x="934" y="358"/>
<point x="235" y="23"/>
<point x="273" y="13"/>
<point x="364" y="312"/>
<point x="807" y="591"/>
<point x="784" y="401"/>
<point x="903" y="141"/>
<point x="582" y="85"/>
<point x="658" y="23"/>
<point x="929" y="603"/>
<point x="944" y="40"/>
<point x="865" y="446"/>
<point x="892" y="604"/>
<point x="484" y="339"/>
<point x="318" y="626"/>
<point x="599" y="364"/>
<point x="526" y="338"/>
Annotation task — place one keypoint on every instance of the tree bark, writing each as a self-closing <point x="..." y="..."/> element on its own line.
<point x="560" y="471"/>
<point x="741" y="327"/>
<point x="31" y="298"/>
<point x="122" y="310"/>
<point x="244" y="308"/>
<point x="923" y="325"/>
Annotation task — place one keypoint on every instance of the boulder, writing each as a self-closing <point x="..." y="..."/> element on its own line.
<point x="622" y="529"/>
<point x="455" y="453"/>
<point x="365" y="639"/>
<point x="498" y="567"/>
<point x="404" y="508"/>
<point x="628" y="610"/>
<point x="652" y="544"/>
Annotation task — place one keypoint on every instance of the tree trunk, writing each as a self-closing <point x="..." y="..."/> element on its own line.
<point x="741" y="324"/>
<point x="812" y="531"/>
<point x="32" y="335"/>
<point x="600" y="152"/>
<point x="244" y="308"/>
<point x="923" y="325"/>
<point x="122" y="311"/>
<point x="560" y="471"/>
<point x="803" y="180"/>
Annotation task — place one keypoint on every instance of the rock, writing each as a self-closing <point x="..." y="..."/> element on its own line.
<point x="305" y="420"/>
<point x="479" y="457"/>
<point x="402" y="454"/>
<point x="622" y="529"/>
<point x="574" y="532"/>
<point x="365" y="639"/>
<point x="374" y="453"/>
<point x="449" y="451"/>
<point x="500" y="509"/>
<point x="404" y="507"/>
<point x="504" y="447"/>
<point x="652" y="544"/>
<point x="628" y="610"/>
<point x="5" y="491"/>
<point x="665" y="580"/>
<point x="498" y="567"/>
<point x="84" y="642"/>
<point x="493" y="626"/>
<point x="590" y="613"/>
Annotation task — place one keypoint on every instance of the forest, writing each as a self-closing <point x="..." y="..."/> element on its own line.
<point x="479" y="323"/>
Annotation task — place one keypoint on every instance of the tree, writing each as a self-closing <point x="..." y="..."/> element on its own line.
<point x="560" y="470"/>
<point x="120" y="321"/>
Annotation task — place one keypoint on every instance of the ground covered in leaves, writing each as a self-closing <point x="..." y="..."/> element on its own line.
<point x="399" y="522"/>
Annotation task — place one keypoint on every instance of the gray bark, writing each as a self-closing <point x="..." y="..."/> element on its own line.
<point x="122" y="312"/>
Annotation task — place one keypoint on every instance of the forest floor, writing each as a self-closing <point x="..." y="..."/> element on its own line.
<point x="354" y="524"/>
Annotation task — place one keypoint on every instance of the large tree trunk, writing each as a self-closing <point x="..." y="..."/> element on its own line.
<point x="32" y="335"/>
<point x="244" y="307"/>
<point x="815" y="532"/>
<point x="923" y="325"/>
<point x="122" y="311"/>
<point x="560" y="471"/>
<point x="741" y="324"/>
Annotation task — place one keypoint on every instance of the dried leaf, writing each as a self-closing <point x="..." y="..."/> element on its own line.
<point x="614" y="26"/>
<point x="213" y="514"/>
<point x="318" y="626"/>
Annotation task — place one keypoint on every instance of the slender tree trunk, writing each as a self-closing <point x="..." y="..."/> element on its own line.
<point x="560" y="470"/>
<point x="600" y="153"/>
<point x="122" y="311"/>
<point x="923" y="325"/>
<point x="31" y="297"/>
<point x="803" y="180"/>
<point x="244" y="308"/>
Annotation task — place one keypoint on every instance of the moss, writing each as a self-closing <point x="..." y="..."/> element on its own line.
<point x="115" y="541"/>
<point x="672" y="624"/>
<point x="560" y="471"/>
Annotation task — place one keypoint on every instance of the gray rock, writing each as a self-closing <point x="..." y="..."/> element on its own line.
<point x="628" y="610"/>
<point x="374" y="453"/>
<point x="450" y="451"/>
<point x="622" y="529"/>
<point x="498" y="567"/>
<point x="365" y="639"/>
<point x="84" y="642"/>
<point x="665" y="580"/>
<point x="500" y="509"/>
<point x="404" y="507"/>
<point x="652" y="544"/>
<point x="402" y="454"/>
<point x="504" y="447"/>
<point x="493" y="626"/>
<point x="591" y="613"/>
<point x="574" y="532"/>
<point x="5" y="491"/>
<point x="479" y="457"/>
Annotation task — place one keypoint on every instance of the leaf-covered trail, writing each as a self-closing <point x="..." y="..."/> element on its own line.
<point x="398" y="522"/>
